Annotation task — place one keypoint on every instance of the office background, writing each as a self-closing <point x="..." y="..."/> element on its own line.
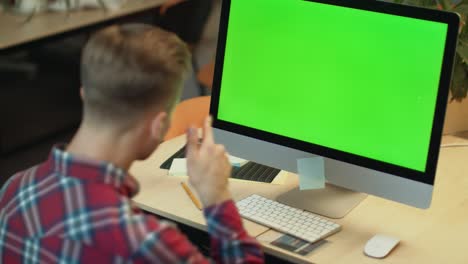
<point x="40" y="106"/>
<point x="39" y="91"/>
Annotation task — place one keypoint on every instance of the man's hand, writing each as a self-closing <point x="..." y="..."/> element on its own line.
<point x="208" y="166"/>
<point x="168" y="4"/>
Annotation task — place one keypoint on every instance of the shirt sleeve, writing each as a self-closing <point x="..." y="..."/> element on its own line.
<point x="230" y="242"/>
<point x="154" y="241"/>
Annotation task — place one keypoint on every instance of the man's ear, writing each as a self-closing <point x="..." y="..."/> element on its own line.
<point x="82" y="94"/>
<point x="159" y="126"/>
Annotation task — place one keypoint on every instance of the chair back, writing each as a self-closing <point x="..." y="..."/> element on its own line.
<point x="191" y="112"/>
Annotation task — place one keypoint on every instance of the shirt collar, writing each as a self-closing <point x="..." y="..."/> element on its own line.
<point x="67" y="165"/>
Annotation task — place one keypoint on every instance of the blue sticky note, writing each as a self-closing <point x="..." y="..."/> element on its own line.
<point x="311" y="173"/>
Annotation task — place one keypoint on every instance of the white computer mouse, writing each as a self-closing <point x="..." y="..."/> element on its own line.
<point x="380" y="245"/>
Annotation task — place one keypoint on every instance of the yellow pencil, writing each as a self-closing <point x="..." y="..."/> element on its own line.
<point x="191" y="195"/>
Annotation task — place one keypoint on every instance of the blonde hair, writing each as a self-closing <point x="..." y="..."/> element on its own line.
<point x="126" y="69"/>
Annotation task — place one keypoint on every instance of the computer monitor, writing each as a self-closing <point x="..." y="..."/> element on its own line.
<point x="363" y="84"/>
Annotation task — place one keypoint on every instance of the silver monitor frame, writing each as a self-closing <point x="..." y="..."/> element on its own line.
<point x="344" y="169"/>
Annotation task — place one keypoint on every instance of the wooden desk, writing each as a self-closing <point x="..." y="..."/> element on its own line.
<point x="437" y="235"/>
<point x="14" y="32"/>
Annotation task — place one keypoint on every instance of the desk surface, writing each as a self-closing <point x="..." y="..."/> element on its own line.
<point x="14" y="31"/>
<point x="436" y="235"/>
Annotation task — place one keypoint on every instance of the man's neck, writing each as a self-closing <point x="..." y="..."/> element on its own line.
<point x="103" y="145"/>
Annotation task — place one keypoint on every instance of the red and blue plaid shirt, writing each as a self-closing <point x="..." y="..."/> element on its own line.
<point x="70" y="210"/>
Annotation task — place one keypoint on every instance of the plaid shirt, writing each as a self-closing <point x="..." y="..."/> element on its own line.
<point x="70" y="210"/>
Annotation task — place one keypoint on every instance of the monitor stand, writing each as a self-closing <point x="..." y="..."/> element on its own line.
<point x="332" y="201"/>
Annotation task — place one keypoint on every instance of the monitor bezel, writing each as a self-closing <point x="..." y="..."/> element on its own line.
<point x="428" y="176"/>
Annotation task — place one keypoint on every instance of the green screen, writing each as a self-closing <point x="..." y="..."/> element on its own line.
<point x="357" y="81"/>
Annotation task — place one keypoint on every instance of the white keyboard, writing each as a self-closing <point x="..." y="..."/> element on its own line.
<point x="286" y="219"/>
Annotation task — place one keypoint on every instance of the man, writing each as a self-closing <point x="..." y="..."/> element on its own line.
<point x="76" y="207"/>
<point x="168" y="4"/>
<point x="186" y="18"/>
